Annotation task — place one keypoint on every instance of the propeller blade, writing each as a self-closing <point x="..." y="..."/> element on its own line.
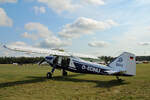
<point x="43" y="60"/>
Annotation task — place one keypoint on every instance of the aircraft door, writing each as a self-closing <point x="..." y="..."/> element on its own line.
<point x="59" y="61"/>
<point x="65" y="62"/>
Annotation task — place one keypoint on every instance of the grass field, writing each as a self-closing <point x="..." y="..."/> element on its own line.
<point x="28" y="82"/>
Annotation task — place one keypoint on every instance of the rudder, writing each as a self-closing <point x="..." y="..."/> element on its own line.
<point x="126" y="61"/>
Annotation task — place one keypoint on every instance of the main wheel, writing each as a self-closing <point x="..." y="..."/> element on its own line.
<point x="119" y="80"/>
<point x="49" y="75"/>
<point x="65" y="73"/>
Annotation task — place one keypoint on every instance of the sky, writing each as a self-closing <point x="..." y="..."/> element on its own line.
<point x="95" y="27"/>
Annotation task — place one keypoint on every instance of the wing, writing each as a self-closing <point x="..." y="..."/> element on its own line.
<point x="35" y="50"/>
<point x="83" y="55"/>
<point x="46" y="51"/>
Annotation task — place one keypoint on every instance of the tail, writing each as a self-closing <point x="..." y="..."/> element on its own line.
<point x="126" y="61"/>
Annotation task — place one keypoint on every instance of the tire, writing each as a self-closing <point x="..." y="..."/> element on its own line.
<point x="49" y="75"/>
<point x="65" y="73"/>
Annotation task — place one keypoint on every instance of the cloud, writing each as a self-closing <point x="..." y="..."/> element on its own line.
<point x="93" y="2"/>
<point x="50" y="43"/>
<point x="85" y="26"/>
<point x="28" y="0"/>
<point x="144" y="43"/>
<point x="8" y="1"/>
<point x="40" y="30"/>
<point x="18" y="43"/>
<point x="70" y="5"/>
<point x="60" y="6"/>
<point x="38" y="10"/>
<point x="98" y="44"/>
<point x="41" y="33"/>
<point x="142" y="2"/>
<point x="4" y="19"/>
<point x="30" y="36"/>
<point x="130" y="41"/>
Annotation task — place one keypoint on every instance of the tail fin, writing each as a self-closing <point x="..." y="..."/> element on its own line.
<point x="125" y="61"/>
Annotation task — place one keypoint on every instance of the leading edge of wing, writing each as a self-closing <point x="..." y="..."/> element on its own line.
<point x="35" y="50"/>
<point x="46" y="51"/>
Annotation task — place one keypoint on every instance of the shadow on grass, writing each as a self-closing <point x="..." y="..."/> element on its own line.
<point x="34" y="79"/>
<point x="99" y="83"/>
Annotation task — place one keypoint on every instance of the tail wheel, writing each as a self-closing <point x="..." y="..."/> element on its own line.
<point x="120" y="80"/>
<point x="49" y="75"/>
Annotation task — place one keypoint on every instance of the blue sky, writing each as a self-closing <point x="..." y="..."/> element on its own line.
<point x="97" y="27"/>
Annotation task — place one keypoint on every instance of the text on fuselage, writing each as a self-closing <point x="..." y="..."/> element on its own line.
<point x="91" y="68"/>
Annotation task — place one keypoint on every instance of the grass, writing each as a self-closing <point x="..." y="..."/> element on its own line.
<point x="28" y="82"/>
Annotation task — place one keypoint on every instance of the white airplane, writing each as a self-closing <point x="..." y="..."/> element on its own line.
<point x="123" y="65"/>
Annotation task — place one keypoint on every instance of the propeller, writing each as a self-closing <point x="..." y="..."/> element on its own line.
<point x="43" y="60"/>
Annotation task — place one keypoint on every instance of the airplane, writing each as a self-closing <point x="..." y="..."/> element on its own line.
<point x="123" y="65"/>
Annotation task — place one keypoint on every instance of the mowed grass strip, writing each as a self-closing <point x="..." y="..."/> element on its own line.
<point x="28" y="82"/>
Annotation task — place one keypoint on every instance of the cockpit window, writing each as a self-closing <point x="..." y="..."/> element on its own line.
<point x="65" y="61"/>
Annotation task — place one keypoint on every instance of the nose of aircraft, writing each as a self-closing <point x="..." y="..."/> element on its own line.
<point x="46" y="59"/>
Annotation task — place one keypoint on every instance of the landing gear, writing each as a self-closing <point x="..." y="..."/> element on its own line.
<point x="64" y="73"/>
<point x="120" y="80"/>
<point x="49" y="74"/>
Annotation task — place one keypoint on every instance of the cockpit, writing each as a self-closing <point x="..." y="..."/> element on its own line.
<point x="61" y="61"/>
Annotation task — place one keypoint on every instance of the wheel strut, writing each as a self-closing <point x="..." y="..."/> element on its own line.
<point x="49" y="74"/>
<point x="120" y="80"/>
<point x="64" y="73"/>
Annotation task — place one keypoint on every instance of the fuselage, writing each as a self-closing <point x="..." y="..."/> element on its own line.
<point x="78" y="65"/>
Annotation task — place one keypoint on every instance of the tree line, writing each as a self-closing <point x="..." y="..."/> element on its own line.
<point x="143" y="58"/>
<point x="138" y="58"/>
<point x="20" y="60"/>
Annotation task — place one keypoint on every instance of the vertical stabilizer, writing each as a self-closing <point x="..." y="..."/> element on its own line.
<point x="125" y="61"/>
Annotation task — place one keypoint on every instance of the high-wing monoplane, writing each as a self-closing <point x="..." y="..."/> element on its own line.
<point x="123" y="65"/>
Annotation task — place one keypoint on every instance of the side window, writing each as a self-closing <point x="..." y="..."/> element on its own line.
<point x="65" y="62"/>
<point x="59" y="60"/>
<point x="68" y="61"/>
<point x="55" y="61"/>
